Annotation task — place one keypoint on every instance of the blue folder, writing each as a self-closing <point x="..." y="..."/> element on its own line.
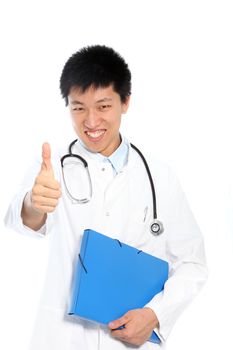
<point x="112" y="278"/>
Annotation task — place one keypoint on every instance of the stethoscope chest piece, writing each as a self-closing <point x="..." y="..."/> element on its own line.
<point x="156" y="228"/>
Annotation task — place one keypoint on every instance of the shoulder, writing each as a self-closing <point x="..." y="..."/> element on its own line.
<point x="157" y="166"/>
<point x="164" y="178"/>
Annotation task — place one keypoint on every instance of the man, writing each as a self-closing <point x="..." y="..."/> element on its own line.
<point x="96" y="85"/>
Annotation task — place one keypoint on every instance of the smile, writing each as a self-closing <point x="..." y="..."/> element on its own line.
<point x="97" y="134"/>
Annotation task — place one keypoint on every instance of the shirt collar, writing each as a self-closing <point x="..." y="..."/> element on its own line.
<point x="118" y="159"/>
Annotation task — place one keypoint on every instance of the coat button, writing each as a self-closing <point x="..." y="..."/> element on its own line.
<point x="107" y="213"/>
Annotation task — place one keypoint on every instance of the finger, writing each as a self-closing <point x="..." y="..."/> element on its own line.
<point x="38" y="201"/>
<point x="47" y="193"/>
<point x="119" y="322"/>
<point x="119" y="334"/>
<point x="45" y="181"/>
<point x="46" y="158"/>
<point x="44" y="209"/>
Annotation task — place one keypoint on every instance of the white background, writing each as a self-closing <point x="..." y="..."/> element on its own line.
<point x="180" y="54"/>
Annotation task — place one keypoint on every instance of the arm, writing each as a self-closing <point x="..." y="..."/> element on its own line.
<point x="184" y="250"/>
<point x="44" y="196"/>
<point x="187" y="265"/>
<point x="37" y="197"/>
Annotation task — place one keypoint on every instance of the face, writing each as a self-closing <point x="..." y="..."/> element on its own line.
<point x="96" y="116"/>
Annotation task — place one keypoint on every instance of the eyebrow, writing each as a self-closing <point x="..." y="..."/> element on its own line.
<point x="76" y="103"/>
<point x="105" y="99"/>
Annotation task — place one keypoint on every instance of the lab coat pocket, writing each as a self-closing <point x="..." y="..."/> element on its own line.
<point x="138" y="233"/>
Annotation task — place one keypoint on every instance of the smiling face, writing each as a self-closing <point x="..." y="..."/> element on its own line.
<point x="96" y="116"/>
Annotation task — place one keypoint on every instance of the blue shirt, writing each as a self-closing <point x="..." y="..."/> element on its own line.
<point x="118" y="159"/>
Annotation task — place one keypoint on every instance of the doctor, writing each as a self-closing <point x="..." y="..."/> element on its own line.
<point x="96" y="85"/>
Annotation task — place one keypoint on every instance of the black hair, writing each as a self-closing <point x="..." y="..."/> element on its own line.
<point x="97" y="66"/>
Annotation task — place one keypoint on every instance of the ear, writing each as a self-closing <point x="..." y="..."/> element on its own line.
<point x="125" y="105"/>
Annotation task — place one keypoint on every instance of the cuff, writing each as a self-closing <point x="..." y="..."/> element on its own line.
<point x="154" y="305"/>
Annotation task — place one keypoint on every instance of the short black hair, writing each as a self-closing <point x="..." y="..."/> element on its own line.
<point x="97" y="66"/>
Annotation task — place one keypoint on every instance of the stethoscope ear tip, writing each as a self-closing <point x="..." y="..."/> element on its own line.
<point x="156" y="228"/>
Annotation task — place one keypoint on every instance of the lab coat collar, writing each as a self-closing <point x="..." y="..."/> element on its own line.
<point x="118" y="159"/>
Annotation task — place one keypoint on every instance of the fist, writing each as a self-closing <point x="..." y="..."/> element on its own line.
<point x="46" y="190"/>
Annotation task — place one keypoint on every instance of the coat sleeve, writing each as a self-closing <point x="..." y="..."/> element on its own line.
<point x="13" y="219"/>
<point x="186" y="256"/>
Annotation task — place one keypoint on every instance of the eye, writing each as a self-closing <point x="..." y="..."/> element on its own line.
<point x="104" y="107"/>
<point x="78" y="109"/>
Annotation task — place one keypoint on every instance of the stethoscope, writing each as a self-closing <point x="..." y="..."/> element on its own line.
<point x="156" y="227"/>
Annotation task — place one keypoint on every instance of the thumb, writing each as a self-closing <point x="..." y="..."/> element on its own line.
<point x="46" y="158"/>
<point x="120" y="322"/>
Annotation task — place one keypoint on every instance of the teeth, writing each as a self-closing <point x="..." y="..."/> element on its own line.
<point x="95" y="134"/>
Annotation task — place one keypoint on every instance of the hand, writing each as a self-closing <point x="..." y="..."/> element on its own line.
<point x="138" y="326"/>
<point x="46" y="190"/>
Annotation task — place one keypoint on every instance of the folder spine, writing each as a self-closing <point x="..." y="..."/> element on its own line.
<point x="78" y="274"/>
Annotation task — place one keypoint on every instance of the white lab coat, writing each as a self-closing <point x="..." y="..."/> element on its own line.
<point x="121" y="207"/>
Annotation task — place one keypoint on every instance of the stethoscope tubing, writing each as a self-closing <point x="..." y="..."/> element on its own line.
<point x="150" y="179"/>
<point x="156" y="227"/>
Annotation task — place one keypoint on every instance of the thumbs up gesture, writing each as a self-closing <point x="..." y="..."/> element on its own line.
<point x="46" y="190"/>
<point x="46" y="165"/>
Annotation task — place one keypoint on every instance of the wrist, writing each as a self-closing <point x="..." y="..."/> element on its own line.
<point x="32" y="217"/>
<point x="29" y="207"/>
<point x="153" y="316"/>
<point x="29" y="212"/>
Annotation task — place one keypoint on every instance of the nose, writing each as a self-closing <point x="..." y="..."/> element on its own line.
<point x="92" y="120"/>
